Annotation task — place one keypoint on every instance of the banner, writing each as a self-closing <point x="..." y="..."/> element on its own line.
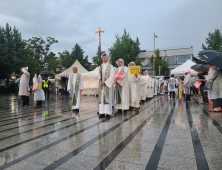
<point x="119" y="75"/>
<point x="134" y="70"/>
<point x="197" y="84"/>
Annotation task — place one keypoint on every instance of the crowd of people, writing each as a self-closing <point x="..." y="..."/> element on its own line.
<point x="129" y="91"/>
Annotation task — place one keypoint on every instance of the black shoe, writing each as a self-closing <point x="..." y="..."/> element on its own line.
<point x="97" y="113"/>
<point x="125" y="112"/>
<point x="101" y="115"/>
<point x="77" y="110"/>
<point x="107" y="116"/>
<point x="131" y="108"/>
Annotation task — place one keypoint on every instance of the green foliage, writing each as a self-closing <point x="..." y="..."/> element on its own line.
<point x="125" y="48"/>
<point x="213" y="41"/>
<point x="10" y="43"/>
<point x="160" y="62"/>
<point x="68" y="58"/>
<point x="96" y="59"/>
<point x="201" y="61"/>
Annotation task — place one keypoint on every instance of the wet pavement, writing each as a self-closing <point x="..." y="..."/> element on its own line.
<point x="166" y="134"/>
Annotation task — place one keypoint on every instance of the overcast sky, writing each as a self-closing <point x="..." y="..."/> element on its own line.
<point x="177" y="23"/>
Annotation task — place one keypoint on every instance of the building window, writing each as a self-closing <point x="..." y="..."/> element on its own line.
<point x="183" y="58"/>
<point x="172" y="60"/>
<point x="178" y="60"/>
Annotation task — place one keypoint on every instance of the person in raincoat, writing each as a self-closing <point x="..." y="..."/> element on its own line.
<point x="195" y="90"/>
<point x="215" y="94"/>
<point x="24" y="87"/>
<point x="180" y="88"/>
<point x="75" y="87"/>
<point x="161" y="85"/>
<point x="148" y="83"/>
<point x="106" y="88"/>
<point x="122" y="89"/>
<point x="143" y="89"/>
<point x="186" y="85"/>
<point x="39" y="94"/>
<point x="171" y="86"/>
<point x="134" y="89"/>
<point x="202" y="79"/>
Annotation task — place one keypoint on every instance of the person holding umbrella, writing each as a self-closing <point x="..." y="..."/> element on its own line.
<point x="215" y="93"/>
<point x="201" y="78"/>
<point x="214" y="78"/>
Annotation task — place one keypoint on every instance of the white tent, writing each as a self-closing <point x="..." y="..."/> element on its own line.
<point x="178" y="71"/>
<point x="90" y="82"/>
<point x="68" y="71"/>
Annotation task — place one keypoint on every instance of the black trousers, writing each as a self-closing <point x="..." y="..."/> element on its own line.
<point x="46" y="90"/>
<point x="217" y="103"/>
<point x="172" y="93"/>
<point x="25" y="100"/>
<point x="187" y="97"/>
<point x="195" y="91"/>
<point x="39" y="103"/>
<point x="204" y="94"/>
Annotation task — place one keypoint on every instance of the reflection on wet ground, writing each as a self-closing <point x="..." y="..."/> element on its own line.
<point x="166" y="134"/>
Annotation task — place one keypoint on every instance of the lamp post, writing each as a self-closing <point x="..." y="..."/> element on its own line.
<point x="154" y="53"/>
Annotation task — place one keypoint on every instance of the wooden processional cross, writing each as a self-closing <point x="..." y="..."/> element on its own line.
<point x="100" y="48"/>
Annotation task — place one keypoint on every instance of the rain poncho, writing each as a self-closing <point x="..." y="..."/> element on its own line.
<point x="193" y="80"/>
<point x="24" y="83"/>
<point x="134" y="89"/>
<point x="216" y="91"/>
<point x="143" y="88"/>
<point x="171" y="84"/>
<point x="106" y="94"/>
<point x="122" y="89"/>
<point x="187" y="84"/>
<point x="39" y="94"/>
<point x="161" y="86"/>
<point x="75" y="84"/>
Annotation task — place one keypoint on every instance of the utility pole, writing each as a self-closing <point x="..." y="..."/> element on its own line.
<point x="154" y="53"/>
<point x="159" y="70"/>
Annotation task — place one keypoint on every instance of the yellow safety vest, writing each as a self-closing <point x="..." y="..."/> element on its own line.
<point x="45" y="85"/>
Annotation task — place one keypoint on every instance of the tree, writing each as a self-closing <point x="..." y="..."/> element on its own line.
<point x="41" y="49"/>
<point x="201" y="61"/>
<point x="10" y="43"/>
<point x="125" y="48"/>
<point x="213" y="41"/>
<point x="68" y="58"/>
<point x="95" y="59"/>
<point x="160" y="62"/>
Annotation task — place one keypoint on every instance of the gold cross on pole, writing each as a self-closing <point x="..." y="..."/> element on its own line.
<point x="100" y="49"/>
<point x="99" y="33"/>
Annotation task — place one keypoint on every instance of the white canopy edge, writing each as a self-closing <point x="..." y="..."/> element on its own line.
<point x="68" y="71"/>
<point x="185" y="66"/>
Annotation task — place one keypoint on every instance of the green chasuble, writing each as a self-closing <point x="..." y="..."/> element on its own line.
<point x="74" y="94"/>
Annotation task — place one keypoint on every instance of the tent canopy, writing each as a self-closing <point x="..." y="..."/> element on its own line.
<point x="68" y="71"/>
<point x="185" y="66"/>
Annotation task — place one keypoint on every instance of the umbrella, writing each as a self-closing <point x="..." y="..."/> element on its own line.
<point x="212" y="57"/>
<point x="46" y="73"/>
<point x="17" y="81"/>
<point x="200" y="66"/>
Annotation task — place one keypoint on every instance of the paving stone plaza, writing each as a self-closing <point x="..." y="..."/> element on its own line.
<point x="166" y="134"/>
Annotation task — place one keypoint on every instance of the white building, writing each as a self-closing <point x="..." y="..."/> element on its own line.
<point x="174" y="57"/>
